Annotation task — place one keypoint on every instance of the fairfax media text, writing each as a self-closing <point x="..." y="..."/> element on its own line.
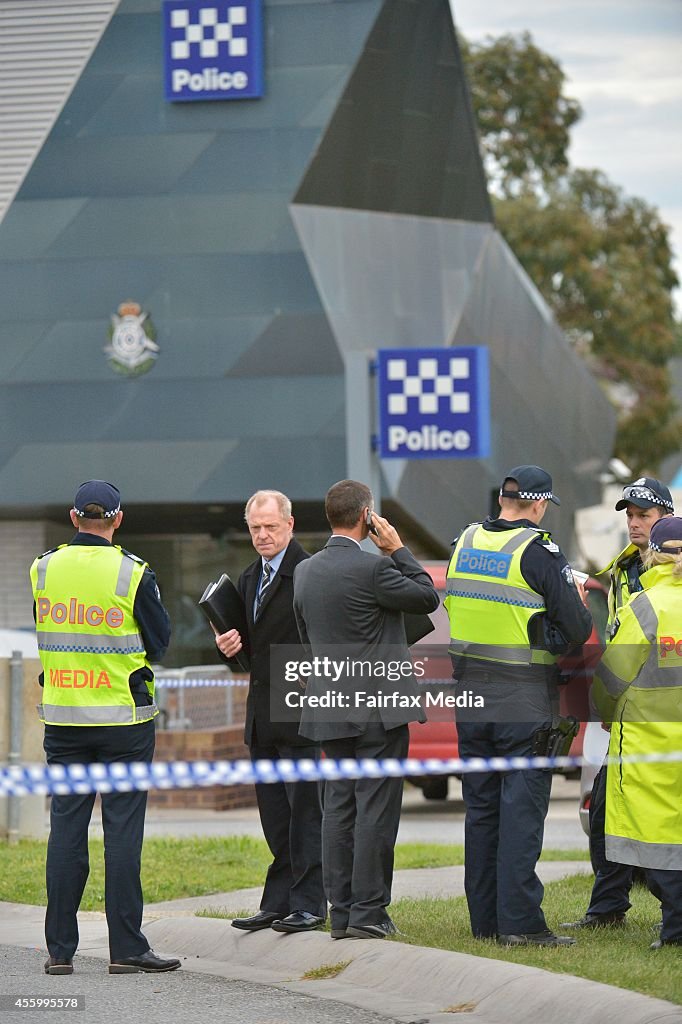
<point x="383" y="700"/>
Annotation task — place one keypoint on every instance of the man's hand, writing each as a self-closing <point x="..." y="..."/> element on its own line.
<point x="386" y="538"/>
<point x="229" y="643"/>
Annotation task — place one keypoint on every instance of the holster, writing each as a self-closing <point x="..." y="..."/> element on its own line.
<point x="555" y="741"/>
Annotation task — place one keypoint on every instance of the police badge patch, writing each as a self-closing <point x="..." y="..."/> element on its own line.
<point x="132" y="349"/>
<point x="568" y="576"/>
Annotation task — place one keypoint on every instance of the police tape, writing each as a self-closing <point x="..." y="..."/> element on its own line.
<point x="173" y="683"/>
<point x="22" y="780"/>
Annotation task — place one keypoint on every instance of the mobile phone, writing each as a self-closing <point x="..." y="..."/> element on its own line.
<point x="370" y="525"/>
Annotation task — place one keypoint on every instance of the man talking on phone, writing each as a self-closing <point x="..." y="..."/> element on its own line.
<point x="350" y="604"/>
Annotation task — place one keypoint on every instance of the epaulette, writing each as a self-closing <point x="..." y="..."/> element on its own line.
<point x="51" y="551"/>
<point x="547" y="542"/>
<point x="135" y="558"/>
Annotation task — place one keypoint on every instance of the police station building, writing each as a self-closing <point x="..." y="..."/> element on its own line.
<point x="249" y="244"/>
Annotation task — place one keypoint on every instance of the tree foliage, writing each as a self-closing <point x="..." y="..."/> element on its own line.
<point x="602" y="260"/>
<point x="524" y="119"/>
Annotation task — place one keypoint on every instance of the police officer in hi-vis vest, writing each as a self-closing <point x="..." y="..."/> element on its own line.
<point x="99" y="622"/>
<point x="513" y="606"/>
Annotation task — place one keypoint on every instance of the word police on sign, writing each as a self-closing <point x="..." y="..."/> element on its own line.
<point x="434" y="403"/>
<point x="213" y="49"/>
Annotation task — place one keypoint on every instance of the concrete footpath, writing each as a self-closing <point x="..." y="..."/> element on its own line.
<point x="410" y="984"/>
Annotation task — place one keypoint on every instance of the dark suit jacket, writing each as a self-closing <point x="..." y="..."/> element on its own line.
<point x="349" y="603"/>
<point x="275" y="625"/>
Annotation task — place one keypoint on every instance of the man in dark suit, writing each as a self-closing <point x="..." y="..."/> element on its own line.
<point x="290" y="813"/>
<point x="349" y="606"/>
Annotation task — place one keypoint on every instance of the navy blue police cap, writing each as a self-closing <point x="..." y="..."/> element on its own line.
<point x="97" y="492"/>
<point x="534" y="484"/>
<point x="647" y="492"/>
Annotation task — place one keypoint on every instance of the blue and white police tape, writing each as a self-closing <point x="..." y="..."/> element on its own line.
<point x="21" y="780"/>
<point x="173" y="683"/>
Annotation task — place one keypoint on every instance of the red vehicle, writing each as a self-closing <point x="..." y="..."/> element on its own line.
<point x="438" y="737"/>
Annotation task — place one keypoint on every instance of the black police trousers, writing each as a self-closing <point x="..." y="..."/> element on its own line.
<point x="68" y="865"/>
<point x="612" y="882"/>
<point x="503" y="831"/>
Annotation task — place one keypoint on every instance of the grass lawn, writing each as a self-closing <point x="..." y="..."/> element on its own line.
<point x="174" y="868"/>
<point x="614" y="956"/>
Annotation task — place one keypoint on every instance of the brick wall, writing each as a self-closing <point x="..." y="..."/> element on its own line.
<point x="226" y="744"/>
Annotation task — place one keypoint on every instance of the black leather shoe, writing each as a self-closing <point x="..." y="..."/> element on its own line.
<point x="299" y="921"/>
<point x="372" y="931"/>
<point x="263" y="919"/>
<point x="660" y="943"/>
<point x="55" y="966"/>
<point x="597" y="921"/>
<point x="339" y="933"/>
<point x="546" y="938"/>
<point x="146" y="963"/>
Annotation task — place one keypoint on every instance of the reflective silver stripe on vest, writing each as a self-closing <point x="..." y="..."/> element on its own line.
<point x="515" y="542"/>
<point x="42" y="570"/>
<point x="515" y="655"/>
<point x="468" y="538"/>
<point x="57" y="714"/>
<point x="653" y="675"/>
<point x="90" y="643"/>
<point x="643" y="611"/>
<point x="613" y="684"/>
<point x="125" y="574"/>
<point x="485" y="590"/>
<point x="664" y="856"/>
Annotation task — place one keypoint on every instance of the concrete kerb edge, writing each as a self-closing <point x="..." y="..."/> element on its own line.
<point x="385" y="976"/>
<point x="388" y="978"/>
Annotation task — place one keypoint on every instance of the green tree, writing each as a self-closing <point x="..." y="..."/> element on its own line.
<point x="524" y="119"/>
<point x="601" y="259"/>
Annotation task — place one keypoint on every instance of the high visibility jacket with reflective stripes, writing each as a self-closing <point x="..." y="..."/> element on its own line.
<point x="489" y="602"/>
<point x="638" y="687"/>
<point x="88" y="639"/>
<point x="620" y="590"/>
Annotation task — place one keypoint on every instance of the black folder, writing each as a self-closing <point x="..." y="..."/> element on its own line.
<point x="222" y="605"/>
<point x="417" y="627"/>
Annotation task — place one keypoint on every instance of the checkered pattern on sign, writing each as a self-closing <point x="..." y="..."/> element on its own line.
<point x="208" y="33"/>
<point x="434" y="390"/>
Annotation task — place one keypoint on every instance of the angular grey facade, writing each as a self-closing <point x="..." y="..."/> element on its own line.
<point x="272" y="241"/>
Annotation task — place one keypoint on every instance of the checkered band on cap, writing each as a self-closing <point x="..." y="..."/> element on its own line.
<point x="105" y="515"/>
<point x="532" y="495"/>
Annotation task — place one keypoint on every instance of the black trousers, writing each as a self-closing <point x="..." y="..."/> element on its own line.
<point x="68" y="865"/>
<point x="291" y="817"/>
<point x="503" y="831"/>
<point x="666" y="886"/>
<point x="359" y="830"/>
<point x="612" y="882"/>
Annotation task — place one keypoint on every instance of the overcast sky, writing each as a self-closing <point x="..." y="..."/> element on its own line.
<point x="623" y="62"/>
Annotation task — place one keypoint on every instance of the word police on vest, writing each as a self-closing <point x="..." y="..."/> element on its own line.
<point x="209" y="80"/>
<point x="76" y="613"/>
<point x="428" y="439"/>
<point x="484" y="563"/>
<point x="669" y="645"/>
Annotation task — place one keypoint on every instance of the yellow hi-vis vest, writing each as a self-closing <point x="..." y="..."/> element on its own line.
<point x="489" y="602"/>
<point x="619" y="586"/>
<point x="88" y="639"/>
<point x="638" y="687"/>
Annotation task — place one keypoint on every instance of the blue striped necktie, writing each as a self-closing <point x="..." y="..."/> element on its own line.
<point x="264" y="584"/>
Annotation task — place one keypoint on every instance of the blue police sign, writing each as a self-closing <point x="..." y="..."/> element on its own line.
<point x="213" y="49"/>
<point x="434" y="403"/>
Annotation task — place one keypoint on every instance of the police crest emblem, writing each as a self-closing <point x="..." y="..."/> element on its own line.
<point x="132" y="348"/>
